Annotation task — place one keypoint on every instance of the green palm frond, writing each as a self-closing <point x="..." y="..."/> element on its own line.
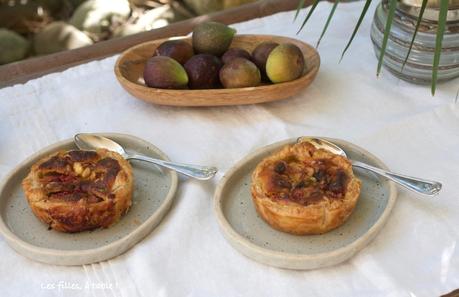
<point x="390" y="19"/>
<point x="421" y="13"/>
<point x="313" y="7"/>
<point x="357" y="26"/>
<point x="330" y="16"/>
<point x="440" y="32"/>
<point x="300" y="5"/>
<point x="392" y="6"/>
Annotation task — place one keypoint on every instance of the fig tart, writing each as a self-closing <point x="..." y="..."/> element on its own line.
<point x="303" y="190"/>
<point x="73" y="191"/>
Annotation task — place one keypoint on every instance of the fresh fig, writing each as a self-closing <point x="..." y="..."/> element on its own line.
<point x="203" y="71"/>
<point x="165" y="73"/>
<point x="240" y="73"/>
<point x="235" y="52"/>
<point x="285" y="63"/>
<point x="179" y="50"/>
<point x="261" y="52"/>
<point x="212" y="38"/>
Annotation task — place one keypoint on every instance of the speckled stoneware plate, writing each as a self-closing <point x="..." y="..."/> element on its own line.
<point x="153" y="195"/>
<point x="250" y="235"/>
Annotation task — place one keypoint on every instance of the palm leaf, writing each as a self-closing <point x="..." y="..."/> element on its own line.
<point x="392" y="6"/>
<point x="440" y="32"/>
<point x="390" y="18"/>
<point x="330" y="16"/>
<point x="357" y="26"/>
<point x="313" y="7"/>
<point x="300" y="5"/>
<point x="421" y="13"/>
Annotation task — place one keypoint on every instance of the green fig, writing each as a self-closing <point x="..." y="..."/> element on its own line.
<point x="240" y="73"/>
<point x="285" y="63"/>
<point x="165" y="73"/>
<point x="261" y="52"/>
<point x="178" y="50"/>
<point x="212" y="38"/>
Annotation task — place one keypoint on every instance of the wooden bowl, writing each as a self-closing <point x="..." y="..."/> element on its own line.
<point x="129" y="72"/>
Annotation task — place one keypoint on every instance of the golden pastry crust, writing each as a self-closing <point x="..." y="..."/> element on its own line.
<point x="73" y="191"/>
<point x="304" y="190"/>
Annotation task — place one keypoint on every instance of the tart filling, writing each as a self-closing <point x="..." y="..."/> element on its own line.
<point x="76" y="175"/>
<point x="72" y="191"/>
<point x="304" y="190"/>
<point x="305" y="181"/>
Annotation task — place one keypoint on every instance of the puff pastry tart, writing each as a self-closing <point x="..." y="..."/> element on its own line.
<point x="304" y="190"/>
<point x="73" y="191"/>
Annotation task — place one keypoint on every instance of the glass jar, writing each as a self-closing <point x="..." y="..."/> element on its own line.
<point x="418" y="68"/>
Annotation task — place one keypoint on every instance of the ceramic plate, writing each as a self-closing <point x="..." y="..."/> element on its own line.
<point x="153" y="195"/>
<point x="250" y="235"/>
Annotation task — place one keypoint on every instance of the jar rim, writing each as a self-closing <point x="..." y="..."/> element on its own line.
<point x="413" y="7"/>
<point x="434" y="4"/>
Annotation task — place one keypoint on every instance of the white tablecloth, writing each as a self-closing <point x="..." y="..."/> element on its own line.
<point x="413" y="132"/>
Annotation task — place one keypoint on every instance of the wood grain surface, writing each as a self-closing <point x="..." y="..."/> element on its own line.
<point x="20" y="72"/>
<point x="130" y="65"/>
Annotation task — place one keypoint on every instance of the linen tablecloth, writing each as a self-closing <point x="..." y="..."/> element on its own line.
<point x="416" y="254"/>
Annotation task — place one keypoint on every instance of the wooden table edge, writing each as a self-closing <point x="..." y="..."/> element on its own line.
<point x="23" y="71"/>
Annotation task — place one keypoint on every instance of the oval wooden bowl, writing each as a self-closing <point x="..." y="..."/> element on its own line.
<point x="129" y="72"/>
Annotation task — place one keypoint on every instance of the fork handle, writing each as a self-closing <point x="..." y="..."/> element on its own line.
<point x="418" y="185"/>
<point x="195" y="171"/>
